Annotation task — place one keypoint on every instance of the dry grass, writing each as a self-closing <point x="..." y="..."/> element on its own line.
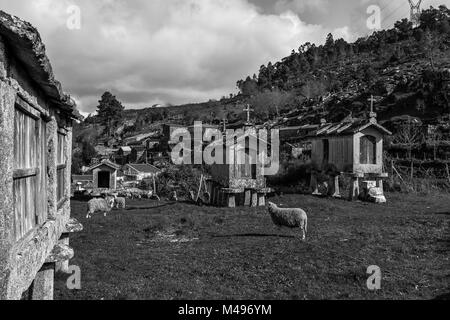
<point x="180" y="251"/>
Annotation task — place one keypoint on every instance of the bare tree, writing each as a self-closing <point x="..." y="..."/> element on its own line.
<point x="409" y="134"/>
<point x="434" y="138"/>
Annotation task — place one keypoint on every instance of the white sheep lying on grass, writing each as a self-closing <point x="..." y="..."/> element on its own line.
<point x="100" y="205"/>
<point x="290" y="218"/>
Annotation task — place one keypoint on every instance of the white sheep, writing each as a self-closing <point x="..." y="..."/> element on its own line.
<point x="290" y="218"/>
<point x="120" y="202"/>
<point x="135" y="195"/>
<point x="100" y="205"/>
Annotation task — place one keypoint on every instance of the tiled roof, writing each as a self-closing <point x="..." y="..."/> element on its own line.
<point x="144" y="168"/>
<point x="125" y="149"/>
<point x="348" y="127"/>
<point x="24" y="41"/>
<point x="82" y="177"/>
<point x="105" y="163"/>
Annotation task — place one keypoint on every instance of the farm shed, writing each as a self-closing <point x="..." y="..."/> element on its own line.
<point x="138" y="154"/>
<point x="124" y="151"/>
<point x="104" y="175"/>
<point x="35" y="159"/>
<point x="352" y="148"/>
<point x="122" y="155"/>
<point x="240" y="181"/>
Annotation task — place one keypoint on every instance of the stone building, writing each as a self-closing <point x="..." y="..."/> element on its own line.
<point x="104" y="176"/>
<point x="240" y="179"/>
<point x="351" y="148"/>
<point x="35" y="160"/>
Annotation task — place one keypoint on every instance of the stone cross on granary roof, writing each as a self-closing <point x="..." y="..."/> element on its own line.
<point x="248" y="109"/>
<point x="372" y="114"/>
<point x="224" y="122"/>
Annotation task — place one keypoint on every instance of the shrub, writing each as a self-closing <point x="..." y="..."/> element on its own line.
<point x="181" y="179"/>
<point x="292" y="173"/>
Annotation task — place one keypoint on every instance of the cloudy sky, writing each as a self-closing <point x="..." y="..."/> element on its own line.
<point x="181" y="51"/>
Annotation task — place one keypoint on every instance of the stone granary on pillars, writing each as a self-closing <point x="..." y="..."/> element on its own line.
<point x="240" y="180"/>
<point x="352" y="148"/>
<point x="35" y="160"/>
<point x="104" y="176"/>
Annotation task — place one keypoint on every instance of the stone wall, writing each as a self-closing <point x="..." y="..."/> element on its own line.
<point x="20" y="261"/>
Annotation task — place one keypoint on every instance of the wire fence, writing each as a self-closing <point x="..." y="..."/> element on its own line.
<point x="418" y="176"/>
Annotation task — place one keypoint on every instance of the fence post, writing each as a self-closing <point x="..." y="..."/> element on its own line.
<point x="392" y="174"/>
<point x="448" y="172"/>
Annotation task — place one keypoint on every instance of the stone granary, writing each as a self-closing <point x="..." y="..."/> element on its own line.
<point x="352" y="148"/>
<point x="104" y="176"/>
<point x="35" y="159"/>
<point x="240" y="182"/>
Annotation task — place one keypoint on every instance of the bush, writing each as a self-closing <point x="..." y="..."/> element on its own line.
<point x="292" y="173"/>
<point x="181" y="179"/>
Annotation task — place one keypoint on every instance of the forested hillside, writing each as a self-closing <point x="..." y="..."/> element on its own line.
<point x="406" y="69"/>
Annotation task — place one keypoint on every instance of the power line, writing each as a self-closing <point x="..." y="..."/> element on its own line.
<point x="393" y="12"/>
<point x="385" y="6"/>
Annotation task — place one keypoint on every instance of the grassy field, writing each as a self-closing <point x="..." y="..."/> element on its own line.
<point x="178" y="251"/>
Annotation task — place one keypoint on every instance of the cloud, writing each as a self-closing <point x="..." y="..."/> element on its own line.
<point x="300" y="6"/>
<point x="159" y="51"/>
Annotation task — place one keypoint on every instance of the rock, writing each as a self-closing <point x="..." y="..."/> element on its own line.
<point x="25" y="41"/>
<point x="60" y="253"/>
<point x="73" y="226"/>
<point x="377" y="195"/>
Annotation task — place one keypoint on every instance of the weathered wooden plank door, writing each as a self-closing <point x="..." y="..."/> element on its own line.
<point x="61" y="167"/>
<point x="368" y="150"/>
<point x="30" y="158"/>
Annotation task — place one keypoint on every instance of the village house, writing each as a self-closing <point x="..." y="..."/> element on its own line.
<point x="35" y="159"/>
<point x="122" y="155"/>
<point x="154" y="151"/>
<point x="139" y="172"/>
<point x="153" y="144"/>
<point x="139" y="139"/>
<point x="112" y="143"/>
<point x="138" y="154"/>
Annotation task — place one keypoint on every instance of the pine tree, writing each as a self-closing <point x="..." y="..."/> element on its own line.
<point x="109" y="110"/>
<point x="330" y="41"/>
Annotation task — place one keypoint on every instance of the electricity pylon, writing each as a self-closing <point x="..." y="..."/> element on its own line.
<point x="415" y="12"/>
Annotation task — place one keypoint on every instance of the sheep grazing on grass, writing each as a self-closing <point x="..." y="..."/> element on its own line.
<point x="100" y="205"/>
<point x="120" y="202"/>
<point x="290" y="218"/>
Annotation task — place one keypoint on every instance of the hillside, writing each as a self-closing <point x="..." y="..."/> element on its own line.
<point x="406" y="69"/>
